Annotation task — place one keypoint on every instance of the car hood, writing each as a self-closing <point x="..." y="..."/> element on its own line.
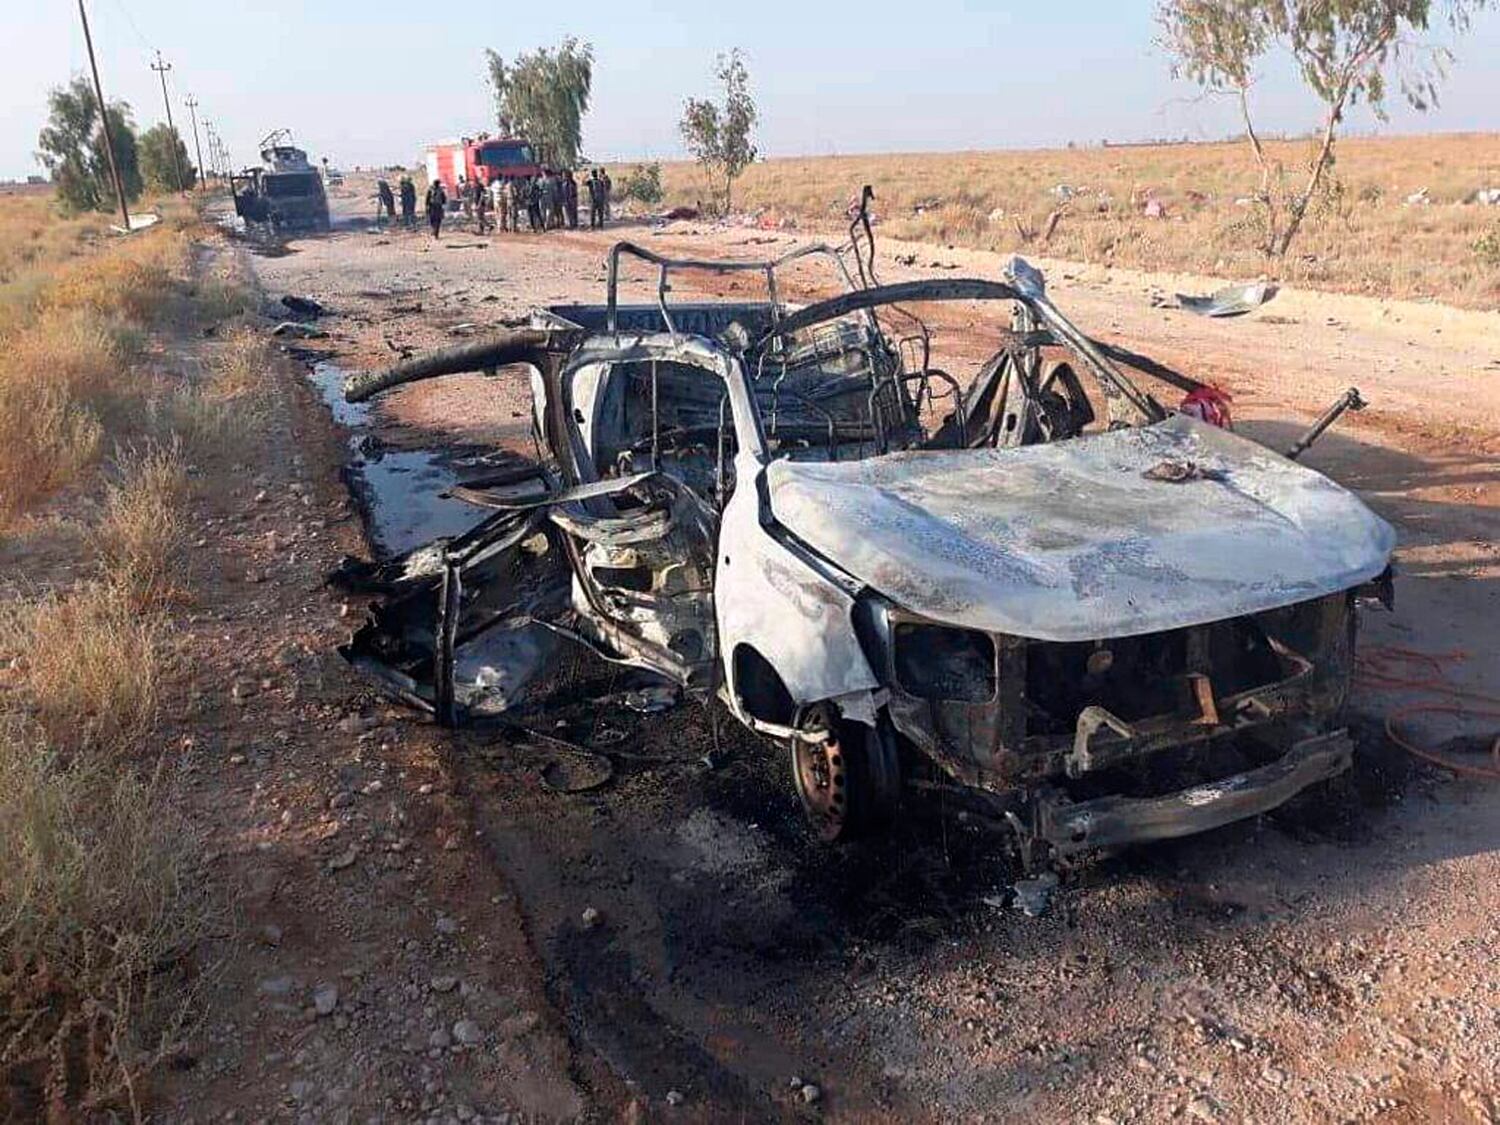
<point x="1072" y="541"/>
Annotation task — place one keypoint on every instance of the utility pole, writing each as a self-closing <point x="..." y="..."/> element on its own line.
<point x="161" y="66"/>
<point x="192" y="104"/>
<point x="213" y="145"/>
<point x="226" y="166"/>
<point x="109" y="143"/>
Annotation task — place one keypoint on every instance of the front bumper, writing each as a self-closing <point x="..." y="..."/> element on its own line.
<point x="1113" y="821"/>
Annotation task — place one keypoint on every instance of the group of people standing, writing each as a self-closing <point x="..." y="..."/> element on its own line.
<point x="549" y="201"/>
<point x="385" y="201"/>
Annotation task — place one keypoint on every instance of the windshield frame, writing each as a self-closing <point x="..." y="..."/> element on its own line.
<point x="1028" y="293"/>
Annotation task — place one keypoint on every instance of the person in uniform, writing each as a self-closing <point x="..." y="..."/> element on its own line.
<point x="500" y="200"/>
<point x="515" y="193"/>
<point x="570" y="198"/>
<point x="481" y="200"/>
<point x="437" y="207"/>
<point x="555" y="217"/>
<point x="546" y="198"/>
<point x="385" y="201"/>
<point x="596" y="199"/>
<point x="533" y="188"/>
<point x="408" y="202"/>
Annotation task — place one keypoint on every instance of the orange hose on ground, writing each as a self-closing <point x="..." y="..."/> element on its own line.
<point x="1377" y="666"/>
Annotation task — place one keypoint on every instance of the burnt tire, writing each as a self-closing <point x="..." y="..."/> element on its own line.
<point x="850" y="782"/>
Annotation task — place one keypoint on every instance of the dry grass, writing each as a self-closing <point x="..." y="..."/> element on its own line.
<point x="99" y="900"/>
<point x="74" y="308"/>
<point x="86" y="665"/>
<point x="220" y="416"/>
<point x="140" y="536"/>
<point x="46" y="440"/>
<point x="1361" y="238"/>
<point x="59" y="378"/>
<point x="100" y="907"/>
<point x="219" y="299"/>
<point x="35" y="240"/>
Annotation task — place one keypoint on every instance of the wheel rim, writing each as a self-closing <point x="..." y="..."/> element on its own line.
<point x="823" y="784"/>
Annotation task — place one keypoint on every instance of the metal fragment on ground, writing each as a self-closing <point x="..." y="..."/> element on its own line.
<point x="651" y="700"/>
<point x="577" y="772"/>
<point x="1033" y="896"/>
<point x="1232" y="300"/>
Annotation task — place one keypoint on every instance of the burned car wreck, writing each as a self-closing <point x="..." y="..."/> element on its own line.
<point x="1034" y="595"/>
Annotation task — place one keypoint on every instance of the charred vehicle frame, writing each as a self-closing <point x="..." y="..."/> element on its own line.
<point x="982" y="592"/>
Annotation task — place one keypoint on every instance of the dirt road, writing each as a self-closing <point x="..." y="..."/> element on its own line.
<point x="672" y="945"/>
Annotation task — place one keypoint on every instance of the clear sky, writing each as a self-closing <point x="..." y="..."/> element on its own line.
<point x="372" y="82"/>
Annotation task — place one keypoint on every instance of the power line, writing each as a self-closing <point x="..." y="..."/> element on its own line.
<point x="124" y="11"/>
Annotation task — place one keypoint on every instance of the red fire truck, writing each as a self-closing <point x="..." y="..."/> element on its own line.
<point x="483" y="158"/>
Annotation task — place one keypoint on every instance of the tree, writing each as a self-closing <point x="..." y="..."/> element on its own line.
<point x="719" y="136"/>
<point x="158" y="166"/>
<point x="543" y="96"/>
<point x="71" y="148"/>
<point x="643" y="185"/>
<point x="1344" y="50"/>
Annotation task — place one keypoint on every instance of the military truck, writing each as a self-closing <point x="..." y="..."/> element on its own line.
<point x="286" y="193"/>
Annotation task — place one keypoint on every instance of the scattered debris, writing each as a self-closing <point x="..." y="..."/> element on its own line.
<point x="304" y="306"/>
<point x="650" y="700"/>
<point x="1232" y="300"/>
<point x="1486" y="197"/>
<point x="1033" y="896"/>
<point x="137" y="222"/>
<point x="1349" y="400"/>
<point x="1418" y="198"/>
<point x="577" y="772"/>
<point x="296" y="330"/>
